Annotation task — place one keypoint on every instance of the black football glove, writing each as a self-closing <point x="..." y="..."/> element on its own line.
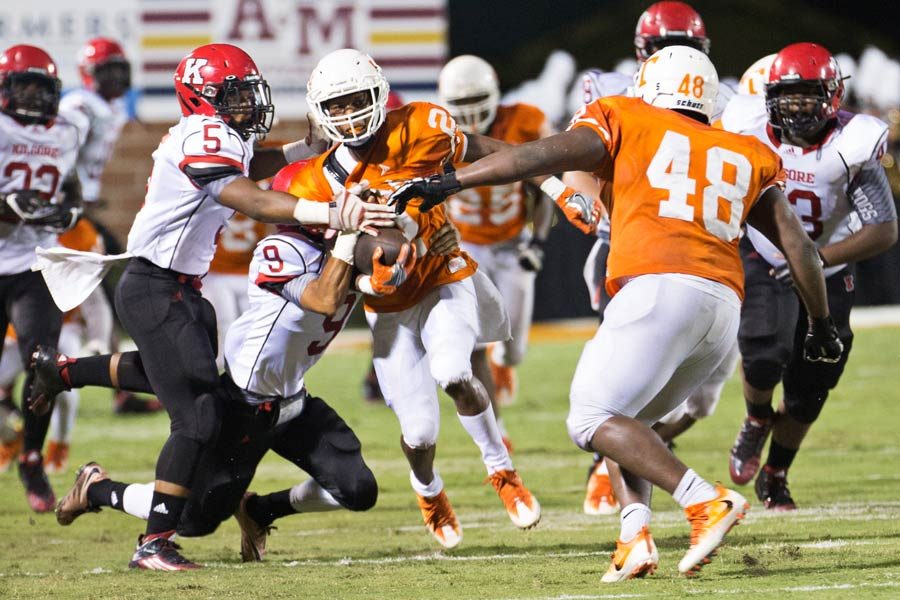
<point x="822" y="343"/>
<point x="531" y="257"/>
<point x="29" y="205"/>
<point x="782" y="275"/>
<point x="432" y="190"/>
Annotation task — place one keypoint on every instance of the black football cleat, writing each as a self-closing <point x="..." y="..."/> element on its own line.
<point x="772" y="490"/>
<point x="37" y="487"/>
<point x="743" y="462"/>
<point x="160" y="554"/>
<point x="48" y="379"/>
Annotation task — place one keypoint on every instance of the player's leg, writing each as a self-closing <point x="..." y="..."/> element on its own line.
<point x="220" y="291"/>
<point x="459" y="315"/>
<point x="37" y="321"/>
<point x="410" y="391"/>
<point x="10" y="368"/>
<point x="766" y="338"/>
<point x="660" y="339"/>
<point x="63" y="420"/>
<point x="174" y="329"/>
<point x="806" y="388"/>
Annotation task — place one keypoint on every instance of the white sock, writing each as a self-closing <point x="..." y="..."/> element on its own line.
<point x="429" y="490"/>
<point x="602" y="469"/>
<point x="62" y="422"/>
<point x="693" y="489"/>
<point x="500" y="426"/>
<point x="137" y="500"/>
<point x="633" y="517"/>
<point x="483" y="430"/>
<point x="309" y="496"/>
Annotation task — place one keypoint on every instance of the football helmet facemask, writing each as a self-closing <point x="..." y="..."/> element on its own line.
<point x="222" y="80"/>
<point x="29" y="85"/>
<point x="347" y="93"/>
<point x="804" y="91"/>
<point x="104" y="68"/>
<point x="669" y="23"/>
<point x="469" y="89"/>
<point x="679" y="78"/>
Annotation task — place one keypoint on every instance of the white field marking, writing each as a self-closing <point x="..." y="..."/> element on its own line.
<point x="730" y="592"/>
<point x="438" y="556"/>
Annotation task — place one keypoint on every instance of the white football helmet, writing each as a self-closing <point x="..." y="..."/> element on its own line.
<point x="340" y="73"/>
<point x="753" y="81"/>
<point x="679" y="77"/>
<point x="469" y="89"/>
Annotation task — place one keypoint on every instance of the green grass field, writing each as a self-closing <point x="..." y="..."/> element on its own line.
<point x="843" y="542"/>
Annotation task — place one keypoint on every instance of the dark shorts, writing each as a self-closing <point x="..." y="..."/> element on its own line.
<point x="318" y="441"/>
<point x="774" y="323"/>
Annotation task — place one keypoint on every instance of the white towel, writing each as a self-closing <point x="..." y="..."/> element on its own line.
<point x="71" y="275"/>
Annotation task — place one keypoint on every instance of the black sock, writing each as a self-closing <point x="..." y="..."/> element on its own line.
<point x="762" y="412"/>
<point x="107" y="493"/>
<point x="165" y="512"/>
<point x="130" y="372"/>
<point x="265" y="509"/>
<point x="780" y="458"/>
<point x="90" y="370"/>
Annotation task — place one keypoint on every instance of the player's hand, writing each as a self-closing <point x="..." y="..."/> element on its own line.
<point x="347" y="212"/>
<point x="822" y="343"/>
<point x="386" y="280"/>
<point x="29" y="205"/>
<point x="782" y="275"/>
<point x="580" y="210"/>
<point x="65" y="217"/>
<point x="316" y="139"/>
<point x="445" y="240"/>
<point x="531" y="256"/>
<point x="432" y="190"/>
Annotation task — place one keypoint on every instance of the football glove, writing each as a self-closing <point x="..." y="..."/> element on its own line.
<point x="531" y="256"/>
<point x="822" y="343"/>
<point x="432" y="190"/>
<point x="347" y="212"/>
<point x="385" y="280"/>
<point x="29" y="205"/>
<point x="581" y="211"/>
<point x="782" y="275"/>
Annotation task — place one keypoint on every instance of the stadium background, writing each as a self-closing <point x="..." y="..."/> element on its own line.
<point x="412" y="38"/>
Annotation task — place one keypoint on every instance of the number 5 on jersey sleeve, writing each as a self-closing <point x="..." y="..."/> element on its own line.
<point x="669" y="171"/>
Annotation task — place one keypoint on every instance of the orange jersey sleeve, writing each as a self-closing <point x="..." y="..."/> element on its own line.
<point x="235" y="245"/>
<point x="681" y="190"/>
<point x="492" y="214"/>
<point x="83" y="237"/>
<point x="416" y="140"/>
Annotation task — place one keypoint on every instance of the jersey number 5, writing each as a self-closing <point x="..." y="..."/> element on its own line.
<point x="669" y="171"/>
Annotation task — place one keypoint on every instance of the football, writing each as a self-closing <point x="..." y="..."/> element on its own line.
<point x="390" y="239"/>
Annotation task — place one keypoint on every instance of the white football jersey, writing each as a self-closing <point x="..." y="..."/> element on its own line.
<point x="270" y="347"/>
<point x="820" y="179"/>
<point x="35" y="157"/>
<point x="106" y="120"/>
<point x="177" y="226"/>
<point x="594" y="83"/>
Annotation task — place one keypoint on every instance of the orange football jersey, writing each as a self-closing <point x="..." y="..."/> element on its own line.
<point x="235" y="245"/>
<point x="680" y="191"/>
<point x="83" y="236"/>
<point x="416" y="140"/>
<point x="492" y="214"/>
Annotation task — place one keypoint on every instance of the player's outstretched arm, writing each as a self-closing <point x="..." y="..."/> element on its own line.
<point x="479" y="146"/>
<point x="326" y="294"/>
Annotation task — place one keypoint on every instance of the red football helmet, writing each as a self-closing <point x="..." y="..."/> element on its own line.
<point x="669" y="23"/>
<point x="104" y="68"/>
<point x="393" y="101"/>
<point x="221" y="79"/>
<point x="804" y="90"/>
<point x="29" y="85"/>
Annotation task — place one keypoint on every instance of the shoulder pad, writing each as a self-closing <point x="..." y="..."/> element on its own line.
<point x="284" y="256"/>
<point x="861" y="138"/>
<point x="77" y="119"/>
<point x="211" y="138"/>
<point x="744" y="113"/>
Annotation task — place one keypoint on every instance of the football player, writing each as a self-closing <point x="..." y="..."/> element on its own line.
<point x="199" y="180"/>
<point x="663" y="24"/>
<point x="299" y="301"/>
<point x="681" y="192"/>
<point x="492" y="220"/>
<point x="39" y="196"/>
<point x="425" y="331"/>
<point x="839" y="190"/>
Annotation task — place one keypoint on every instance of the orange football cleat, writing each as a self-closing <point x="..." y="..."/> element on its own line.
<point x="57" y="458"/>
<point x="599" y="499"/>
<point x="524" y="510"/>
<point x="634" y="559"/>
<point x="505" y="383"/>
<point x="9" y="451"/>
<point x="440" y="519"/>
<point x="710" y="521"/>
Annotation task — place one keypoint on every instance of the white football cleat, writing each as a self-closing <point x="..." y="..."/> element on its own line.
<point x="522" y="507"/>
<point x="710" y="521"/>
<point x="637" y="558"/>
<point x="440" y="520"/>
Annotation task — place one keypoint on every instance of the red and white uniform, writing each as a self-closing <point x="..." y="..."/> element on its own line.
<point x="105" y="122"/>
<point x="36" y="157"/>
<point x="272" y="345"/>
<point x="177" y="226"/>
<point x="492" y="224"/>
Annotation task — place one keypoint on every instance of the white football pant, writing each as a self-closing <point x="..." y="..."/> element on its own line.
<point x="702" y="403"/>
<point x="228" y="295"/>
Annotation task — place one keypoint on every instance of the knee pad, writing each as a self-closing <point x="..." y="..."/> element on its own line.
<point x="363" y="493"/>
<point x="805" y="407"/>
<point x="202" y="421"/>
<point x="583" y="421"/>
<point x="763" y="374"/>
<point x="419" y="433"/>
<point x="450" y="367"/>
<point x="703" y="402"/>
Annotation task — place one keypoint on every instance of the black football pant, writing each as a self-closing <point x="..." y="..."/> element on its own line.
<point x="28" y="306"/>
<point x="317" y="441"/>
<point x="174" y="328"/>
